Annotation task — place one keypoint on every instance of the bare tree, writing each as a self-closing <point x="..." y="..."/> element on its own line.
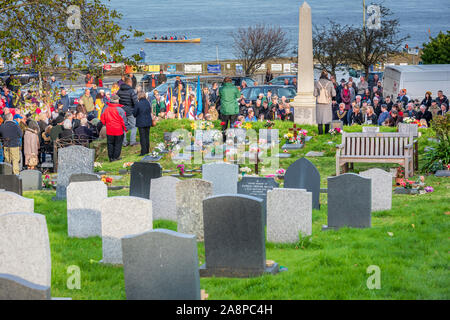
<point x="330" y="45"/>
<point x="367" y="47"/>
<point x="255" y="45"/>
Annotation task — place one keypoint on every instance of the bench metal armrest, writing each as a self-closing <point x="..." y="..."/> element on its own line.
<point x="340" y="146"/>
<point x="409" y="146"/>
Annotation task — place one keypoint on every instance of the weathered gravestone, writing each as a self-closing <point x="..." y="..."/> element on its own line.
<point x="84" y="200"/>
<point x="31" y="180"/>
<point x="337" y="124"/>
<point x="257" y="187"/>
<point x="5" y="168"/>
<point x="142" y="174"/>
<point x="161" y="265"/>
<point x="269" y="136"/>
<point x="302" y="174"/>
<point x="370" y="129"/>
<point x="289" y="212"/>
<point x="234" y="237"/>
<point x="11" y="183"/>
<point x="381" y="188"/>
<point x="349" y="201"/>
<point x="409" y="128"/>
<point x="84" y="177"/>
<point x="12" y="202"/>
<point x="223" y="176"/>
<point x="72" y="160"/>
<point x="25" y="247"/>
<point x="122" y="216"/>
<point x="189" y="204"/>
<point x="163" y="196"/>
<point x="16" y="288"/>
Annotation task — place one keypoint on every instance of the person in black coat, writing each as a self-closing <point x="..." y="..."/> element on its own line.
<point x="424" y="114"/>
<point x="128" y="98"/>
<point x="143" y="114"/>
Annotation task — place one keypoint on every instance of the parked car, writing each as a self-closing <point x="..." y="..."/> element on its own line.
<point x="237" y="81"/>
<point x="145" y="81"/>
<point x="252" y="93"/>
<point x="23" y="75"/>
<point x="280" y="80"/>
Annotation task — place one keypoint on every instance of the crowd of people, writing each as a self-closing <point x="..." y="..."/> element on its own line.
<point x="32" y="122"/>
<point x="364" y="104"/>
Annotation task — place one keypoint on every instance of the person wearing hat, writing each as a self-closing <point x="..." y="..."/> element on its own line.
<point x="114" y="119"/>
<point x="57" y="128"/>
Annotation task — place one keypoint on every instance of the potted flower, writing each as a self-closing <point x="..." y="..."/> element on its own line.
<point x="47" y="182"/>
<point x="280" y="173"/>
<point x="245" y="170"/>
<point x="180" y="168"/>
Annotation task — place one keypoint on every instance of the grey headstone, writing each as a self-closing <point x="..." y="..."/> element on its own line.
<point x="84" y="201"/>
<point x="149" y="158"/>
<point x="6" y="168"/>
<point x="16" y="288"/>
<point x="349" y="201"/>
<point x="314" y="154"/>
<point x="224" y="177"/>
<point x="293" y="146"/>
<point x="142" y="174"/>
<point x="370" y="129"/>
<point x="11" y="183"/>
<point x="303" y="174"/>
<point x="269" y="135"/>
<point x="25" y="247"/>
<point x="72" y="160"/>
<point x="289" y="212"/>
<point x="257" y="187"/>
<point x="337" y="124"/>
<point x="122" y="216"/>
<point x="163" y="196"/>
<point x="409" y="128"/>
<point x="84" y="177"/>
<point x="234" y="237"/>
<point x="238" y="135"/>
<point x="12" y="202"/>
<point x="31" y="180"/>
<point x="381" y="188"/>
<point x="442" y="173"/>
<point x="161" y="265"/>
<point x="189" y="205"/>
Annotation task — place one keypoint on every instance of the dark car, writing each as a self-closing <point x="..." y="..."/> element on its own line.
<point x="280" y="80"/>
<point x="23" y="75"/>
<point x="252" y="93"/>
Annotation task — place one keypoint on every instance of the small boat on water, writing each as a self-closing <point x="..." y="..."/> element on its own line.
<point x="196" y="40"/>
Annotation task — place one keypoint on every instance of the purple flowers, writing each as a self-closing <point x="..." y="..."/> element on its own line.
<point x="429" y="189"/>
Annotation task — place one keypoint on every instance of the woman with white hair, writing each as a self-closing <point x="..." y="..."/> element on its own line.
<point x="67" y="132"/>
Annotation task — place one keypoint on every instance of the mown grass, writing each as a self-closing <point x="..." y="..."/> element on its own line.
<point x="410" y="243"/>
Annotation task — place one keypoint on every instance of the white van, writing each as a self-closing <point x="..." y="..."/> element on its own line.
<point x="416" y="79"/>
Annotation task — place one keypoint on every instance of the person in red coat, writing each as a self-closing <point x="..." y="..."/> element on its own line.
<point x="115" y="120"/>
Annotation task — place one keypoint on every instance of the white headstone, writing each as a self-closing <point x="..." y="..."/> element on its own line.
<point x="25" y="247"/>
<point x="163" y="196"/>
<point x="12" y="202"/>
<point x="223" y="176"/>
<point x="381" y="188"/>
<point x="289" y="212"/>
<point x="123" y="216"/>
<point x="84" y="201"/>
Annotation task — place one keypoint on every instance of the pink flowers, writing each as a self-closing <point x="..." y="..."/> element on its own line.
<point x="429" y="189"/>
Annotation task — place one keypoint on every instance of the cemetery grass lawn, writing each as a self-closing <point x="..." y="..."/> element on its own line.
<point x="409" y="243"/>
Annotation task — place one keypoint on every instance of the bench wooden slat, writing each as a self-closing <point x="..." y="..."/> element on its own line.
<point x="353" y="146"/>
<point x="401" y="147"/>
<point x="391" y="146"/>
<point x="377" y="146"/>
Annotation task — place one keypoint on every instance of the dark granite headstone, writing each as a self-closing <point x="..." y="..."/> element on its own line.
<point x="257" y="187"/>
<point x="349" y="201"/>
<point x="6" y="168"/>
<point x="302" y="174"/>
<point x="234" y="237"/>
<point x="161" y="265"/>
<point x="84" y="177"/>
<point x="141" y="175"/>
<point x="12" y="183"/>
<point x="16" y="288"/>
<point x="31" y="180"/>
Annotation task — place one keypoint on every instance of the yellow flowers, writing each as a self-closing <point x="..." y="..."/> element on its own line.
<point x="248" y="125"/>
<point x="193" y="126"/>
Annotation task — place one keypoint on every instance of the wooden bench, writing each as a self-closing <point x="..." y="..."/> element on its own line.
<point x="386" y="147"/>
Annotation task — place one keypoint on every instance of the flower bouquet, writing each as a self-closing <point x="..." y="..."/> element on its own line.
<point x="245" y="171"/>
<point x="181" y="168"/>
<point x="47" y="182"/>
<point x="269" y="124"/>
<point x="280" y="173"/>
<point x="107" y="180"/>
<point x="335" y="131"/>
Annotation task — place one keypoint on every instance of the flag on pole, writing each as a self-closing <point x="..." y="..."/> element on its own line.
<point x="187" y="102"/>
<point x="199" y="97"/>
